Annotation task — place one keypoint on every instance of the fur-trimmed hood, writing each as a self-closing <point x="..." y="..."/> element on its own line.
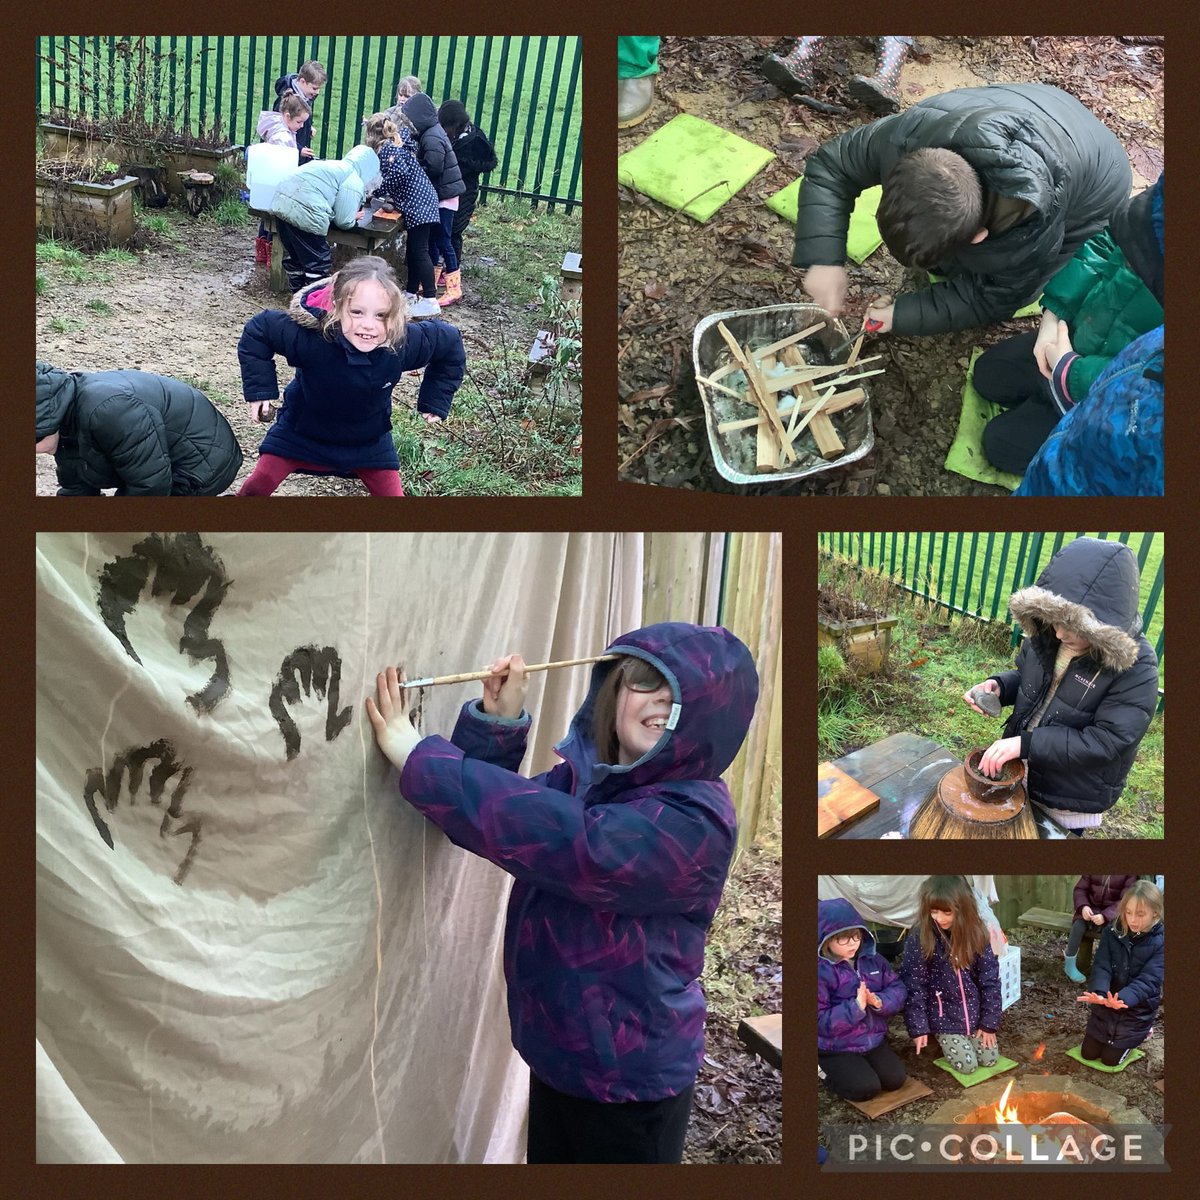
<point x="310" y="304"/>
<point x="1091" y="587"/>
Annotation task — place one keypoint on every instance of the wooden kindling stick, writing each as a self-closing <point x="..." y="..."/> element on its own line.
<point x="468" y="676"/>
<point x="839" y="401"/>
<point x="762" y="399"/>
<point x="773" y="348"/>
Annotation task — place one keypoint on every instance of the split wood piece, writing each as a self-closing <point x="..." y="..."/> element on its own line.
<point x="858" y="341"/>
<point x="812" y="412"/>
<point x="729" y="368"/>
<point x="708" y="381"/>
<point x="824" y="434"/>
<point x="783" y="383"/>
<point x="762" y="398"/>
<point x="768" y="452"/>
<point x="840" y="401"/>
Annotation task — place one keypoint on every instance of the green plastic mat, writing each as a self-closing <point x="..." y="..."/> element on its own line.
<point x="1132" y="1056"/>
<point x="966" y="455"/>
<point x="691" y="165"/>
<point x="862" y="237"/>
<point x="977" y="1076"/>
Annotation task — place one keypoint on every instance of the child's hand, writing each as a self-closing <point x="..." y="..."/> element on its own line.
<point x="1086" y="912"/>
<point x="1060" y="346"/>
<point x="388" y="713"/>
<point x="306" y="153"/>
<point x="1047" y="335"/>
<point x="873" y="1000"/>
<point x="919" y="1043"/>
<point x="997" y="754"/>
<point x="1097" y="918"/>
<point x="986" y="1040"/>
<point x="1114" y="1001"/>
<point x="1090" y="998"/>
<point x="432" y="418"/>
<point x="863" y="993"/>
<point x="882" y="314"/>
<point x="827" y="286"/>
<point x="989" y="685"/>
<point x="260" y="411"/>
<point x="504" y="690"/>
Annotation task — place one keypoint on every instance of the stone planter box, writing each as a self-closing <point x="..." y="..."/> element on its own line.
<point x="97" y="212"/>
<point x="868" y="640"/>
<point x="63" y="141"/>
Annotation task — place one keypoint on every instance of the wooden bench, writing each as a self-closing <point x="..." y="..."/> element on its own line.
<point x="368" y="236"/>
<point x="1045" y="918"/>
<point x="764" y="1036"/>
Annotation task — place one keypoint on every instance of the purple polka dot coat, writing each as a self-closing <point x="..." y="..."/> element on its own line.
<point x="618" y="870"/>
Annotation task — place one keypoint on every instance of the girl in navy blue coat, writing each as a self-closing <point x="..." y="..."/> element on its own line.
<point x="1127" y="977"/>
<point x="952" y="978"/>
<point x="350" y="341"/>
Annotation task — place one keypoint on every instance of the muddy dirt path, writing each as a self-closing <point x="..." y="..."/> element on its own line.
<point x="179" y="311"/>
<point x="673" y="271"/>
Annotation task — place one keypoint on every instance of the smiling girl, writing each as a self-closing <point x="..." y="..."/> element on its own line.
<point x="350" y="341"/>
<point x="1127" y="978"/>
<point x="619" y="854"/>
<point x="952" y="977"/>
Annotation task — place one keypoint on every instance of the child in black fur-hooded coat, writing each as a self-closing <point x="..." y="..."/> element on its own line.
<point x="1085" y="685"/>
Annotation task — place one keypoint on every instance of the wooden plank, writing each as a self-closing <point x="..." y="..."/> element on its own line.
<point x="840" y="799"/>
<point x="764" y="1035"/>
<point x="886" y="1102"/>
<point x="1044" y="918"/>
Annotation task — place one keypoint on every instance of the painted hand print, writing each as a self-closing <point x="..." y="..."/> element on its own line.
<point x="128" y="768"/>
<point x="182" y="565"/>
<point x="314" y="670"/>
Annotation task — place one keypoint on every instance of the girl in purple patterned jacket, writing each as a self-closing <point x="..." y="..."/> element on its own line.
<point x="619" y="854"/>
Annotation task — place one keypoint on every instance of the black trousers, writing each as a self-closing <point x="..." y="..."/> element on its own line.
<point x="462" y="219"/>
<point x="568" y="1129"/>
<point x="420" y="265"/>
<point x="863" y="1076"/>
<point x="1008" y="375"/>
<point x="1094" y="1049"/>
<point x="306" y="256"/>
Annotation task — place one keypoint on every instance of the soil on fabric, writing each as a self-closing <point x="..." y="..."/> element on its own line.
<point x="673" y="271"/>
<point x="179" y="311"/>
<point x="737" y="1107"/>
<point x="1035" y="1032"/>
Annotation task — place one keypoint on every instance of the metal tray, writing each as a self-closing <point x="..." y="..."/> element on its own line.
<point x="761" y="327"/>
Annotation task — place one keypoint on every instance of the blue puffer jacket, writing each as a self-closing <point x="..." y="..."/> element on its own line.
<point x="326" y="193"/>
<point x="843" y="1027"/>
<point x="618" y="869"/>
<point x="943" y="999"/>
<point x="1132" y="966"/>
<point x="338" y="409"/>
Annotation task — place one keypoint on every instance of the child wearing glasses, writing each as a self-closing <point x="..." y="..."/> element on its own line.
<point x="857" y="991"/>
<point x="619" y="854"/>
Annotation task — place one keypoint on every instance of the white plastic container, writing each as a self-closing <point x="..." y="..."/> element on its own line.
<point x="266" y="165"/>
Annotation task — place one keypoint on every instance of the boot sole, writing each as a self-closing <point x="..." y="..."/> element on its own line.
<point x="630" y="122"/>
<point x="868" y="97"/>
<point x="784" y="80"/>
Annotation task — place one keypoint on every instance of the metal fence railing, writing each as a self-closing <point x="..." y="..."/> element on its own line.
<point x="973" y="574"/>
<point x="525" y="93"/>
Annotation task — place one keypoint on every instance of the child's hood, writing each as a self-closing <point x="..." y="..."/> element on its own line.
<point x="839" y="916"/>
<point x="1091" y="587"/>
<point x="1137" y="227"/>
<point x="309" y="306"/>
<point x="420" y="111"/>
<point x="287" y="83"/>
<point x="271" y="122"/>
<point x="55" y="395"/>
<point x="365" y="162"/>
<point x="714" y="685"/>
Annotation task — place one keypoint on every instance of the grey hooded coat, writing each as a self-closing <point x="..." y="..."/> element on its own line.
<point x="1029" y="143"/>
<point x="1082" y="749"/>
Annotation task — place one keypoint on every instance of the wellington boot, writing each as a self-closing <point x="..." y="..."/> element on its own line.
<point x="881" y="92"/>
<point x="635" y="99"/>
<point x="453" y="288"/>
<point x="792" y="73"/>
<point x="439" y="274"/>
<point x="262" y="251"/>
<point x="1073" y="973"/>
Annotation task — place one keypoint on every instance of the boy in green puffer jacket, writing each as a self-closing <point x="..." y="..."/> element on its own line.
<point x="1107" y="296"/>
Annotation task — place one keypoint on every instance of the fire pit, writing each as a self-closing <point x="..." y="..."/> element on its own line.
<point x="1028" y="1119"/>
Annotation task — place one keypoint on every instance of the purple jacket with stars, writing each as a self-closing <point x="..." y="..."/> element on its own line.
<point x="618" y="869"/>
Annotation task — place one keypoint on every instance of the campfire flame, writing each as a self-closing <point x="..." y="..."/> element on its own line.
<point x="1006" y="1114"/>
<point x="1037" y="1054"/>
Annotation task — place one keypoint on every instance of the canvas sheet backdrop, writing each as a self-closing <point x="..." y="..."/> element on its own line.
<point x="278" y="959"/>
<point x="894" y="899"/>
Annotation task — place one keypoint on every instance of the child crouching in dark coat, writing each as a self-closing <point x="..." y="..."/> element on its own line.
<point x="952" y="977"/>
<point x="857" y="991"/>
<point x="1127" y="978"/>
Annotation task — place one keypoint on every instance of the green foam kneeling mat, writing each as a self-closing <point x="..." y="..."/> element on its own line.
<point x="1097" y="1065"/>
<point x="862" y="237"/>
<point x="966" y="456"/>
<point x="978" y="1076"/>
<point x="691" y="165"/>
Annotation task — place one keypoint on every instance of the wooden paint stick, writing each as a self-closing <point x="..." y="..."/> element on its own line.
<point x="468" y="676"/>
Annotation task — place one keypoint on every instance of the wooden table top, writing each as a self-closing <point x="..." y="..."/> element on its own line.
<point x="902" y="770"/>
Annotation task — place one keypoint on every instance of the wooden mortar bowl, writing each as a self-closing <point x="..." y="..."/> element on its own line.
<point x="986" y="789"/>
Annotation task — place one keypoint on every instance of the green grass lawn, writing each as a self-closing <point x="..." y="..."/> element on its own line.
<point x="525" y="93"/>
<point x="934" y="660"/>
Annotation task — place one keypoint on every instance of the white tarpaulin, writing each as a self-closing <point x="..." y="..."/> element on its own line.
<point x="894" y="899"/>
<point x="249" y="947"/>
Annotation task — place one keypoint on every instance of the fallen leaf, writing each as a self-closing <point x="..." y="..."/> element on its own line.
<point x="654" y="393"/>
